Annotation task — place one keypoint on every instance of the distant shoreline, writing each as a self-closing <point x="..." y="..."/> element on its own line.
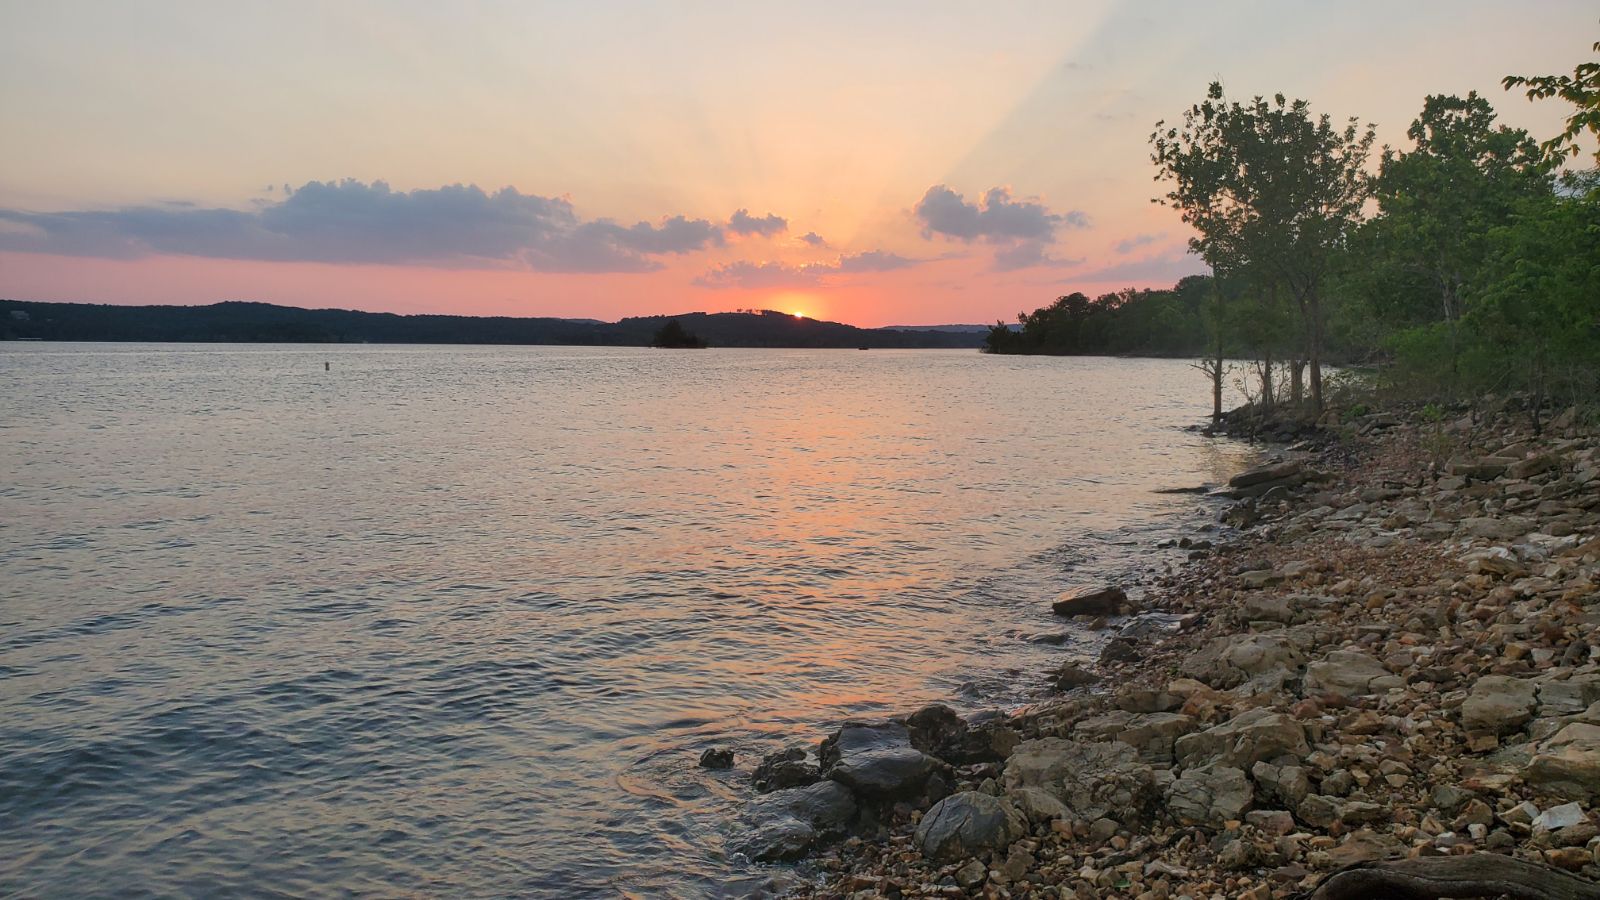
<point x="250" y="323"/>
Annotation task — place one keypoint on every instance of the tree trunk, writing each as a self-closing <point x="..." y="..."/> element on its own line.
<point x="1439" y="877"/>
<point x="1266" y="381"/>
<point x="1216" y="389"/>
<point x="1297" y="387"/>
<point x="1313" y="308"/>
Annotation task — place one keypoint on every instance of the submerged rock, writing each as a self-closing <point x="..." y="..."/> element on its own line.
<point x="785" y="769"/>
<point x="784" y="824"/>
<point x="716" y="758"/>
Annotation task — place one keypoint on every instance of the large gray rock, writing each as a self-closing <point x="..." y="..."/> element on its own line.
<point x="1499" y="703"/>
<point x="1230" y="661"/>
<point x="784" y="824"/>
<point x="968" y="824"/>
<point x="1283" y="785"/>
<point x="1209" y="795"/>
<point x="1244" y="740"/>
<point x="1574" y="695"/>
<point x="1568" y="764"/>
<point x="1093" y="780"/>
<point x="1038" y="806"/>
<point x="876" y="761"/>
<point x="1349" y="674"/>
<point x="1153" y="734"/>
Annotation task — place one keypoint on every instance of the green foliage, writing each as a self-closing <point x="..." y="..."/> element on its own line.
<point x="1478" y="271"/>
<point x="1128" y="322"/>
<point x="1581" y="89"/>
<point x="673" y="336"/>
<point x="1272" y="193"/>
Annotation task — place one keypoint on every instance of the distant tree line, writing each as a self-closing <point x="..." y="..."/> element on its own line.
<point x="1465" y="262"/>
<point x="239" y="322"/>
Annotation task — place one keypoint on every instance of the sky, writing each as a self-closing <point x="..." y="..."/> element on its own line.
<point x="867" y="162"/>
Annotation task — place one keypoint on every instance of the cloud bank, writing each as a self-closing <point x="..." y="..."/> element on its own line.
<point x="1022" y="230"/>
<point x="741" y="222"/>
<point x="745" y="274"/>
<point x="355" y="222"/>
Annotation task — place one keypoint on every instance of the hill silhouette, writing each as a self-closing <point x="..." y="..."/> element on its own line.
<point x="247" y="322"/>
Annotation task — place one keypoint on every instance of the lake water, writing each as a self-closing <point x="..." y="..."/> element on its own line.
<point x="457" y="621"/>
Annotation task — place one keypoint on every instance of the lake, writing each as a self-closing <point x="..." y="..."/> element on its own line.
<point x="458" y="621"/>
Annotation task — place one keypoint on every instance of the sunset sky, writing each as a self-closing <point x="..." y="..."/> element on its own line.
<point x="868" y="162"/>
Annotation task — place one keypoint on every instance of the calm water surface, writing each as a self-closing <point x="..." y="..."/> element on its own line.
<point x="451" y="621"/>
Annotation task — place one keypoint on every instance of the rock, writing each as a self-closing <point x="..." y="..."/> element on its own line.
<point x="972" y="874"/>
<point x="1496" y="561"/>
<point x="1259" y="578"/>
<point x="1567" y="765"/>
<point x="1275" y="822"/>
<point x="1349" y="674"/>
<point x="1558" y="817"/>
<point x="1072" y="675"/>
<point x="1537" y="465"/>
<point x="1574" y="695"/>
<point x="1091" y="779"/>
<point x="876" y="761"/>
<point x="1267" y="608"/>
<point x="1229" y="661"/>
<point x="1264" y="474"/>
<point x="1038" y="806"/>
<point x="1480" y="470"/>
<point x="784" y="824"/>
<point x="937" y="731"/>
<point x="1146" y="700"/>
<point x="716" y="758"/>
<point x="1318" y="810"/>
<point x="1251" y="736"/>
<point x="1500" y="528"/>
<point x="967" y="824"/>
<point x="1286" y="784"/>
<point x="1090" y="600"/>
<point x="1362" y="812"/>
<point x="1209" y="795"/>
<point x="1153" y="734"/>
<point x="785" y="769"/>
<point x="1499" y="704"/>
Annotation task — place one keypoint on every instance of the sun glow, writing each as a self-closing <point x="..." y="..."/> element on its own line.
<point x="799" y="315"/>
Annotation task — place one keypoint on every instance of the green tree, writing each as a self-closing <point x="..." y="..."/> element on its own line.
<point x="1270" y="187"/>
<point x="1438" y="202"/>
<point x="1538" y="316"/>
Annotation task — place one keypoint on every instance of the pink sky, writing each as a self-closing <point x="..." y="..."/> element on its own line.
<point x="912" y="163"/>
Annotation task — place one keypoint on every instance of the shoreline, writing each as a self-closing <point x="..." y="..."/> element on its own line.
<point x="1393" y="654"/>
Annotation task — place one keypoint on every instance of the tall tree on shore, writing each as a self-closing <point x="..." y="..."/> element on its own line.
<point x="1438" y="201"/>
<point x="1270" y="187"/>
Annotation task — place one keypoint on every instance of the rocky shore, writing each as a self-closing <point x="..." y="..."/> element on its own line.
<point x="1395" y="655"/>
